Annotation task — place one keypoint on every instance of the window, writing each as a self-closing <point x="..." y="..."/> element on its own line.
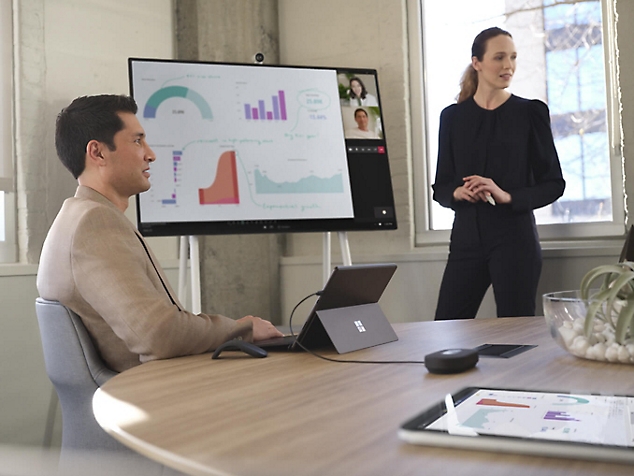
<point x="577" y="98"/>
<point x="563" y="49"/>
<point x="7" y="227"/>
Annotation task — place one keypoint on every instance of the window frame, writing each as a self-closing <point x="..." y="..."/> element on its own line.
<point x="8" y="248"/>
<point x="555" y="233"/>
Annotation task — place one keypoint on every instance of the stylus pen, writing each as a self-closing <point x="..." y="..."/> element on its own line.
<point x="453" y="425"/>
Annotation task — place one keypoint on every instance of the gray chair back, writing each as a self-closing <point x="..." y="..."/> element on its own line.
<point x="76" y="370"/>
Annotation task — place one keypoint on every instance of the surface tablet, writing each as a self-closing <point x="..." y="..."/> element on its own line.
<point x="544" y="423"/>
<point x="347" y="286"/>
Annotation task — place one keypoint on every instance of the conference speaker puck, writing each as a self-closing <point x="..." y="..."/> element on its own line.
<point x="451" y="361"/>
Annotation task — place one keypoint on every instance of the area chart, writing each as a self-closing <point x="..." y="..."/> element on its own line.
<point x="224" y="188"/>
<point x="310" y="184"/>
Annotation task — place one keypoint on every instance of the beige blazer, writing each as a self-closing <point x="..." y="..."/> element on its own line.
<point x="96" y="263"/>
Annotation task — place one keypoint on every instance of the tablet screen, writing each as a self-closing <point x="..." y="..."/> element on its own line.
<point x="552" y="416"/>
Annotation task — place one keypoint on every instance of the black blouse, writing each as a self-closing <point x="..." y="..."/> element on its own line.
<point x="512" y="144"/>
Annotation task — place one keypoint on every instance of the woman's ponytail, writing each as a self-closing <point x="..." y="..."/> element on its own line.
<point x="468" y="84"/>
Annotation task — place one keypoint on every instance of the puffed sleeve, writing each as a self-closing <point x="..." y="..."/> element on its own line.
<point x="545" y="183"/>
<point x="446" y="179"/>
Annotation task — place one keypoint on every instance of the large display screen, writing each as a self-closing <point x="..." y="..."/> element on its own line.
<point x="256" y="149"/>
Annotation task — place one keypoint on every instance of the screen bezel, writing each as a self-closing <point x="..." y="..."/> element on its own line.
<point x="384" y="213"/>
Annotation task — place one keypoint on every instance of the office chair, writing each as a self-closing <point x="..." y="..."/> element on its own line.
<point x="76" y="370"/>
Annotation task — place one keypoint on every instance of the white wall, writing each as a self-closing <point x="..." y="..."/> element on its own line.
<point x="25" y="389"/>
<point x="64" y="49"/>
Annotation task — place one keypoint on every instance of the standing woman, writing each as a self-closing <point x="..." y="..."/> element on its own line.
<point x="496" y="163"/>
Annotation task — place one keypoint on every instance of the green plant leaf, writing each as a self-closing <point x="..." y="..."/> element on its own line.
<point x="624" y="321"/>
<point x="617" y="292"/>
<point x="617" y="284"/>
<point x="594" y="274"/>
<point x="593" y="307"/>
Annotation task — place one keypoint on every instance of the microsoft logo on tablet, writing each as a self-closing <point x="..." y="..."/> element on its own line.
<point x="359" y="325"/>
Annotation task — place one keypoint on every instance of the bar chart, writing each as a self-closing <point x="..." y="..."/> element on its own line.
<point x="259" y="112"/>
<point x="559" y="416"/>
<point x="176" y="164"/>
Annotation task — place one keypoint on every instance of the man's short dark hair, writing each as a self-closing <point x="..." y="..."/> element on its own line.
<point x="360" y="109"/>
<point x="89" y="118"/>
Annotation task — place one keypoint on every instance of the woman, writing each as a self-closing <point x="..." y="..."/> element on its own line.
<point x="496" y="163"/>
<point x="359" y="96"/>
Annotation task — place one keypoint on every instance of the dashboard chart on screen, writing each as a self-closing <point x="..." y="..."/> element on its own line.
<point x="260" y="149"/>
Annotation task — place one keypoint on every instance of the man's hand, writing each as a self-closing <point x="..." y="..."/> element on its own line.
<point x="261" y="329"/>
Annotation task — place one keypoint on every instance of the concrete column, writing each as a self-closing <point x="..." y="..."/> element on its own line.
<point x="227" y="30"/>
<point x="239" y="273"/>
<point x="42" y="182"/>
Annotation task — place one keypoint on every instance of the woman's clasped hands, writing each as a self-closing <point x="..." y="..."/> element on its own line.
<point x="480" y="189"/>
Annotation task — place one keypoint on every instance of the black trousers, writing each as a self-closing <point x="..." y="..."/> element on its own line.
<point x="513" y="268"/>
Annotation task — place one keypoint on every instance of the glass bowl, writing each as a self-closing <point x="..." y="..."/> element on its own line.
<point x="565" y="313"/>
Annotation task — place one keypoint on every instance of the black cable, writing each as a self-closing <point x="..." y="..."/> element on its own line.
<point x="329" y="359"/>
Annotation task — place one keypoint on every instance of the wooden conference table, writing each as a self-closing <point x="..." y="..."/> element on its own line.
<point x="295" y="414"/>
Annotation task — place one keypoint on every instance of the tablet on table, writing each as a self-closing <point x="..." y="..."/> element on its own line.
<point x="544" y="423"/>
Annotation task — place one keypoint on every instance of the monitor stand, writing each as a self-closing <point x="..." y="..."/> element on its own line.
<point x="326" y="252"/>
<point x="194" y="251"/>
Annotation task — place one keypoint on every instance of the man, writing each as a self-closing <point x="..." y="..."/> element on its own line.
<point x="96" y="263"/>
<point x="361" y="131"/>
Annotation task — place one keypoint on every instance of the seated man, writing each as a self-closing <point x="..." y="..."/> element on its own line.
<point x="96" y="263"/>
